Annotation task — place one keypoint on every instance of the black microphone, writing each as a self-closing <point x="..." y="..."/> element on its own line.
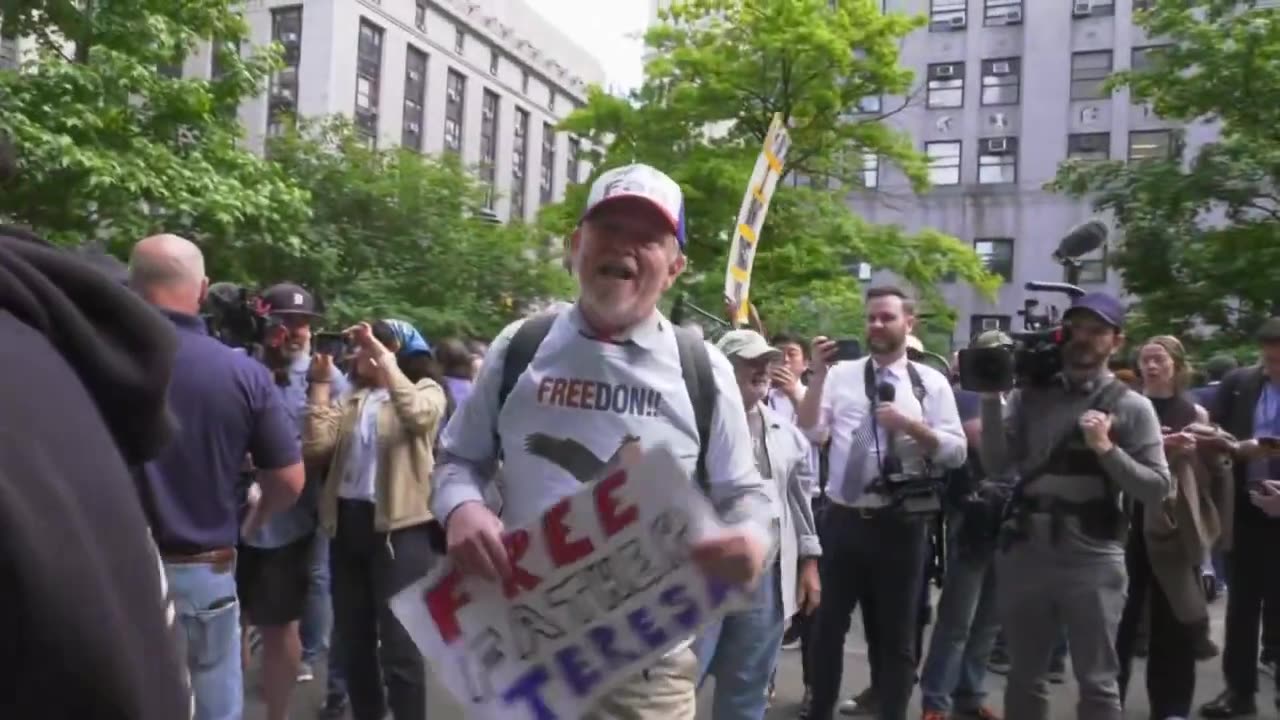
<point x="1082" y="240"/>
<point x="885" y="392"/>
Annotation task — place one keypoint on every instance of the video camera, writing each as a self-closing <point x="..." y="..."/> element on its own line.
<point x="1035" y="355"/>
<point x="236" y="317"/>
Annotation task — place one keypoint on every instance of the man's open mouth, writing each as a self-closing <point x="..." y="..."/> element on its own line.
<point x="617" y="270"/>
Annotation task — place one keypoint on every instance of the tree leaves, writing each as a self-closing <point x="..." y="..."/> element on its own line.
<point x="718" y="71"/>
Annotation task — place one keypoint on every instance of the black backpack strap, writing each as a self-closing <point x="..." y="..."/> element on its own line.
<point x="917" y="384"/>
<point x="700" y="382"/>
<point x="524" y="345"/>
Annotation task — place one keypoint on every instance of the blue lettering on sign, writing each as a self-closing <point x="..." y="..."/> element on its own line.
<point x="605" y="638"/>
<point x="646" y="628"/>
<point x="580" y="676"/>
<point x="687" y="614"/>
<point x="528" y="689"/>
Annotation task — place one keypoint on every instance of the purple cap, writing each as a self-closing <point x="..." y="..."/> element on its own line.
<point x="1110" y="310"/>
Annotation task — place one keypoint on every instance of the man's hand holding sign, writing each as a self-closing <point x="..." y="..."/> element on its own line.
<point x="539" y="621"/>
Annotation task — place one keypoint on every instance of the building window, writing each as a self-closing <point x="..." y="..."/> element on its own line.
<point x="1089" y="70"/>
<point x="946" y="85"/>
<point x="1093" y="268"/>
<point x="489" y="145"/>
<point x="415" y="98"/>
<point x="870" y="105"/>
<point x="1001" y="81"/>
<point x="947" y="15"/>
<point x="997" y="160"/>
<point x="572" y="171"/>
<point x="997" y="255"/>
<point x="459" y="40"/>
<point x="1090" y="147"/>
<point x="455" y="97"/>
<point x="282" y="89"/>
<point x="944" y="162"/>
<point x="1151" y="145"/>
<point x="547" y="181"/>
<point x="1092" y="8"/>
<point x="420" y="15"/>
<point x="519" y="164"/>
<point x="1002" y="12"/>
<point x="368" y="76"/>
<point x="863" y="272"/>
<point x="1143" y="58"/>
<point x="870" y="170"/>
<point x="220" y="53"/>
<point x="493" y="61"/>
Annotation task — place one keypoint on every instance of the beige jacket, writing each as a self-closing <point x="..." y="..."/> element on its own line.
<point x="407" y="426"/>
<point x="1181" y="531"/>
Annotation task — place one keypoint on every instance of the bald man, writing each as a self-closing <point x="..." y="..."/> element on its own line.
<point x="226" y="406"/>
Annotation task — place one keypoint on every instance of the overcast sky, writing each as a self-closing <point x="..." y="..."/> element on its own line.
<point x="616" y="42"/>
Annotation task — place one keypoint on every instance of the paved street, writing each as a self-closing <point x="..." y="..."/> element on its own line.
<point x="1209" y="683"/>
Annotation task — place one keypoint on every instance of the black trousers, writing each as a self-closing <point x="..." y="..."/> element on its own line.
<point x="875" y="558"/>
<point x="1253" y="582"/>
<point x="872" y="634"/>
<point x="383" y="666"/>
<point x="1171" y="658"/>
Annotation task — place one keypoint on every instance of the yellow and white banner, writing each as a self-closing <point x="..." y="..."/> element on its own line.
<point x="746" y="233"/>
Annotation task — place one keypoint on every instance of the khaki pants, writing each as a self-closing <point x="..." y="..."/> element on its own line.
<point x="666" y="691"/>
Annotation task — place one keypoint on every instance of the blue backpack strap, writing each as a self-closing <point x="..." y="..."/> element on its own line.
<point x="700" y="382"/>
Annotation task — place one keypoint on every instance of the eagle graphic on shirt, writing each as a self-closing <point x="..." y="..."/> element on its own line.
<point x="577" y="459"/>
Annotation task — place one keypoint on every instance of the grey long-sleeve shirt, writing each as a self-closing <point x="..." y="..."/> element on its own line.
<point x="1021" y="434"/>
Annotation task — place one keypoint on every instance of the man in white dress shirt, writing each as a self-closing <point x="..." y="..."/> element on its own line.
<point x="568" y="417"/>
<point x="889" y="420"/>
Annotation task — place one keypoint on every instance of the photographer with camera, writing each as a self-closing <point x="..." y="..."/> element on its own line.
<point x="1076" y="439"/>
<point x="226" y="406"/>
<point x="894" y="428"/>
<point x="283" y="570"/>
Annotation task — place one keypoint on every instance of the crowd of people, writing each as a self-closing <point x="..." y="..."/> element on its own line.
<point x="172" y="506"/>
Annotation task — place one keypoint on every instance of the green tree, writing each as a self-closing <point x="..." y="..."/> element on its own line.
<point x="719" y="71"/>
<point x="113" y="145"/>
<point x="1199" y="229"/>
<point x="395" y="234"/>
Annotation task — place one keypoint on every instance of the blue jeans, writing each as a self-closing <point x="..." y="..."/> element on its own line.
<point x="317" y="618"/>
<point x="742" y="651"/>
<point x="208" y="625"/>
<point x="964" y="634"/>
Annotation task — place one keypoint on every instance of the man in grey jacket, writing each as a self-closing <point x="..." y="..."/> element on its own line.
<point x="1063" y="547"/>
<point x="742" y="650"/>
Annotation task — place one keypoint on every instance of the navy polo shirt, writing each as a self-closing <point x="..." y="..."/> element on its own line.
<point x="226" y="405"/>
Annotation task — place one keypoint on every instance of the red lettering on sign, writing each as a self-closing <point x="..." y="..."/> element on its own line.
<point x="444" y="601"/>
<point x="557" y="391"/>
<point x="574" y="394"/>
<point x="562" y="550"/>
<point x="544" y="387"/>
<point x="613" y="516"/>
<point x="517" y="544"/>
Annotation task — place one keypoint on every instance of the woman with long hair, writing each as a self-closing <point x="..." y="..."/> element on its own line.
<point x="379" y="445"/>
<point x="1168" y="541"/>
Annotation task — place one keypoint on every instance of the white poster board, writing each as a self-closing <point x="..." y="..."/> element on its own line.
<point x="755" y="205"/>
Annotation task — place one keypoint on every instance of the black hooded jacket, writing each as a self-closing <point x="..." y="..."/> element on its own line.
<point x="84" y="366"/>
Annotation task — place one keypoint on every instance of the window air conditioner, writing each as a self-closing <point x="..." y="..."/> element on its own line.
<point x="990" y="323"/>
<point x="1000" y="68"/>
<point x="946" y="70"/>
<point x="1014" y="16"/>
<point x="997" y="145"/>
<point x="414" y="128"/>
<point x="1081" y="8"/>
<point x="956" y="21"/>
<point x="289" y="38"/>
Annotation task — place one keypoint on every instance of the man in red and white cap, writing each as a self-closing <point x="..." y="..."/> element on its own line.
<point x="627" y="251"/>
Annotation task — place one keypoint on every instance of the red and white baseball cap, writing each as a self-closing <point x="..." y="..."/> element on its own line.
<point x="646" y="183"/>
